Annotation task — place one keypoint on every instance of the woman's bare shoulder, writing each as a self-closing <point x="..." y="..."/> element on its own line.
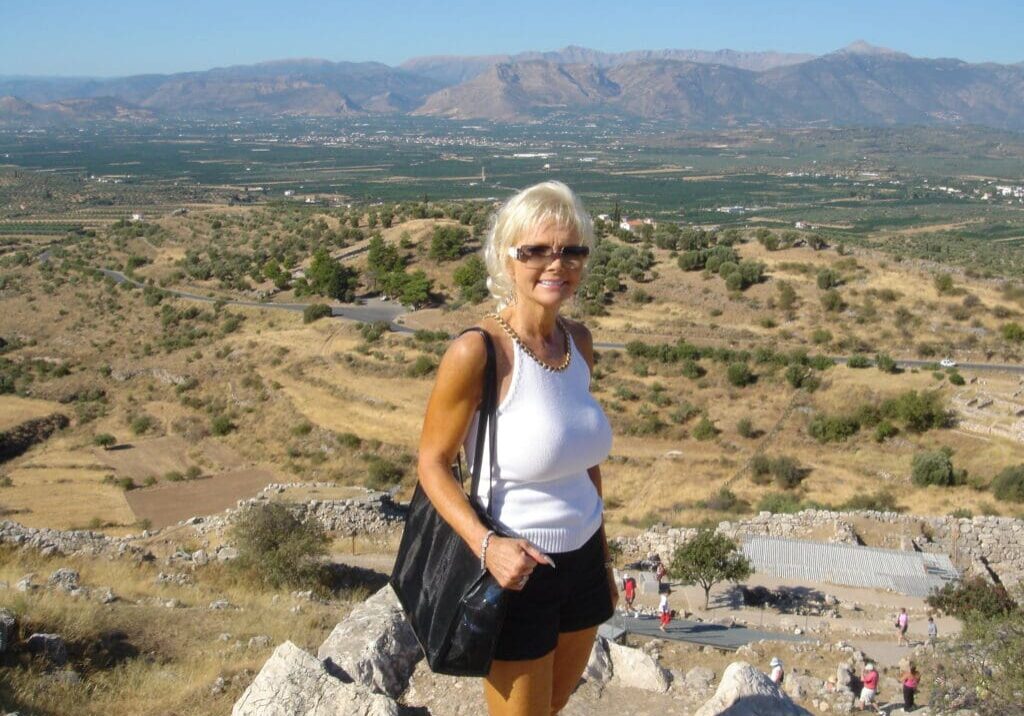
<point x="581" y="334"/>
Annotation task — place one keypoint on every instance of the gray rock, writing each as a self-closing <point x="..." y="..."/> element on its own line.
<point x="106" y="595"/>
<point x="294" y="683"/>
<point x="8" y="630"/>
<point x="50" y="646"/>
<point x="227" y="553"/>
<point x="261" y="641"/>
<point x="700" y="677"/>
<point x="375" y="645"/>
<point x="65" y="579"/>
<point x="599" y="666"/>
<point x="222" y="604"/>
<point x="634" y="668"/>
<point x="746" y="691"/>
<point x="25" y="584"/>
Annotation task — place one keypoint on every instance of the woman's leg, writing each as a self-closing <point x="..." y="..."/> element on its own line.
<point x="571" y="656"/>
<point x="520" y="688"/>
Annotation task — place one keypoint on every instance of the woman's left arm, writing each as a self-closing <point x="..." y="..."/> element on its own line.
<point x="585" y="343"/>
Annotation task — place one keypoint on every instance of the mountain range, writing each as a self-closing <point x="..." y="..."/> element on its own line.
<point x="859" y="84"/>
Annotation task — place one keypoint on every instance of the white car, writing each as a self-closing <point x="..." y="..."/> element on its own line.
<point x="947" y="363"/>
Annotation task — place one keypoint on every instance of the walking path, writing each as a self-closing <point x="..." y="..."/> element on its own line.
<point x="716" y="635"/>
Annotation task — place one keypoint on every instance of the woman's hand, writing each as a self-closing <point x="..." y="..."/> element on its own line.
<point x="512" y="561"/>
<point x="613" y="586"/>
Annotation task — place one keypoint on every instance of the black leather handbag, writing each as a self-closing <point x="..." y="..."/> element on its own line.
<point x="456" y="609"/>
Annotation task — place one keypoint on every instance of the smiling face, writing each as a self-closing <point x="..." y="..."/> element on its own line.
<point x="553" y="284"/>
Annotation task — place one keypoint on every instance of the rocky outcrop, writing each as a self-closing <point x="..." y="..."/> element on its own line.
<point x="636" y="669"/>
<point x="374" y="645"/>
<point x="21" y="437"/>
<point x="747" y="691"/>
<point x="599" y="665"/>
<point x="295" y="683"/>
<point x="73" y="542"/>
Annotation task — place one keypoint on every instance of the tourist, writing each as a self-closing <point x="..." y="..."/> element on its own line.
<point x="933" y="632"/>
<point x="629" y="590"/>
<point x="778" y="674"/>
<point x="909" y="678"/>
<point x="902" y="622"/>
<point x="869" y="690"/>
<point x="552" y="437"/>
<point x="664" y="611"/>
<point x="659" y="573"/>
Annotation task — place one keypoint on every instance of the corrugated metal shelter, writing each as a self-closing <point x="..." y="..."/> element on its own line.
<point x="912" y="573"/>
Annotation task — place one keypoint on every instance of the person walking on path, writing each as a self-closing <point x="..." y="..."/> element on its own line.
<point x="548" y="549"/>
<point x="933" y="632"/>
<point x="660" y="572"/>
<point x="664" y="612"/>
<point x="910" y="679"/>
<point x="902" y="622"/>
<point x="629" y="591"/>
<point x="869" y="691"/>
<point x="778" y="673"/>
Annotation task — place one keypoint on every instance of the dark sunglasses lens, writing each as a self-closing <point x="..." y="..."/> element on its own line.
<point x="576" y="252"/>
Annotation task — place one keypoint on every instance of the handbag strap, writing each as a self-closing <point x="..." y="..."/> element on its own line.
<point x="488" y="419"/>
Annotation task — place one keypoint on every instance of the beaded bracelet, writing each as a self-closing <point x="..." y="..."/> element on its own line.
<point x="483" y="549"/>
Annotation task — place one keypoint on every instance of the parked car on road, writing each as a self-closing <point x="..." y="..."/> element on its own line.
<point x="947" y="363"/>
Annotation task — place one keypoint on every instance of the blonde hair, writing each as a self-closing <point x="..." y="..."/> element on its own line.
<point x="548" y="202"/>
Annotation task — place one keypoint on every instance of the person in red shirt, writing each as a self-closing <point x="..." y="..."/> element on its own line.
<point x="869" y="678"/>
<point x="629" y="590"/>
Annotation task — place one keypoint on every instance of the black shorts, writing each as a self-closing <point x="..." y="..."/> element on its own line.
<point x="572" y="595"/>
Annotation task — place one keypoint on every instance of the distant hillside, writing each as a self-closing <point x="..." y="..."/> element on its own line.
<point x="858" y="85"/>
<point x="451" y="69"/>
<point x="69" y="111"/>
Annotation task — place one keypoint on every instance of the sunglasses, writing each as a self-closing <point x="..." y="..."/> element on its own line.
<point x="541" y="256"/>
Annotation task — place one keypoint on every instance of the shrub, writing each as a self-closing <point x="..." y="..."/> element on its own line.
<point x="423" y="365"/>
<point x="787" y="472"/>
<point x="975" y="597"/>
<point x="832" y="301"/>
<point x="779" y="503"/>
<point x="832" y="428"/>
<point x="315" y="311"/>
<point x="382" y="473"/>
<point x="194" y="472"/>
<point x="739" y="374"/>
<point x="350" y="440"/>
<point x="745" y="428"/>
<point x="173" y="476"/>
<point x="881" y="501"/>
<point x="760" y="467"/>
<point x="684" y="413"/>
<point x="918" y="411"/>
<point x="104" y="440"/>
<point x="858" y="361"/>
<point x="933" y="467"/>
<point x="1012" y="332"/>
<point x="705" y="429"/>
<point x="221" y="425"/>
<point x="827" y="278"/>
<point x="278" y="549"/>
<point x="943" y="283"/>
<point x="724" y="500"/>
<point x="956" y="379"/>
<point x="471" y="278"/>
<point x="1009" y="484"/>
<point x="884" y="430"/>
<point x="885" y="363"/>
<point x="821" y="336"/>
<point x="303" y="427"/>
<point x="372" y="332"/>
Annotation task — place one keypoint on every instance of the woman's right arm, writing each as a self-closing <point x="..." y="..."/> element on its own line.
<point x="453" y="402"/>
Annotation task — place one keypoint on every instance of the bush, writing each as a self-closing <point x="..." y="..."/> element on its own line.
<point x="315" y="311"/>
<point x="821" y="336"/>
<point x="739" y="374"/>
<point x="787" y="472"/>
<point x="885" y="363"/>
<point x="278" y="549"/>
<point x="745" y="428"/>
<point x="956" y="379"/>
<point x="221" y="425"/>
<point x="975" y="597"/>
<point x="884" y="430"/>
<point x="919" y="412"/>
<point x="705" y="429"/>
<point x="858" y="361"/>
<point x="104" y="440"/>
<point x="382" y="474"/>
<point x="1009" y="484"/>
<point x="832" y="301"/>
<point x="1013" y="332"/>
<point x="422" y="366"/>
<point x="832" y="428"/>
<point x="934" y="467"/>
<point x="141" y="424"/>
<point x="779" y="503"/>
<point x="881" y="501"/>
<point x="801" y="376"/>
<point x="724" y="500"/>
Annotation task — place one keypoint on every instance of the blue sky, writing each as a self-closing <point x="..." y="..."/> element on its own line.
<point x="117" y="37"/>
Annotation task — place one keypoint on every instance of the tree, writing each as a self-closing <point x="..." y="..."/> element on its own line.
<point x="381" y="259"/>
<point x="933" y="467"/>
<point x="471" y="278"/>
<point x="105" y="440"/>
<point x="327" y="277"/>
<point x="416" y="289"/>
<point x="707" y="559"/>
<point x="447" y="242"/>
<point x="1009" y="484"/>
<point x="739" y="374"/>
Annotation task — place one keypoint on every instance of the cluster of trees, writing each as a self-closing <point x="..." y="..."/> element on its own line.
<point x="723" y="260"/>
<point x="386" y="271"/>
<point x="609" y="264"/>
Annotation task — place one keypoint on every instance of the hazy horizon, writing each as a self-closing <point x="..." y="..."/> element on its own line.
<point x="59" y="38"/>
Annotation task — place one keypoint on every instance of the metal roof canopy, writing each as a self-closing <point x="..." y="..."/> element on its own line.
<point x="915" y="574"/>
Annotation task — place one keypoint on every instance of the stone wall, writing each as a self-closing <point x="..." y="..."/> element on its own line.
<point x="990" y="546"/>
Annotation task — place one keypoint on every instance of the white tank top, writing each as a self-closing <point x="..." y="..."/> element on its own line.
<point x="550" y="430"/>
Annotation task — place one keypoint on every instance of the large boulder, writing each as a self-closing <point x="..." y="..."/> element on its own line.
<point x="747" y="691"/>
<point x="375" y="645"/>
<point x="50" y="646"/>
<point x="8" y="629"/>
<point x="637" y="669"/>
<point x="294" y="683"/>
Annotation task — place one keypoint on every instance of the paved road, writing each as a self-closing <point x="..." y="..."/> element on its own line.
<point x="720" y="637"/>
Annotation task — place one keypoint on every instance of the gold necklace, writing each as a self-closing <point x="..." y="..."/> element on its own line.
<point x="510" y="332"/>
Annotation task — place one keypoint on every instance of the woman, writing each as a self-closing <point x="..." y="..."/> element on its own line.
<point x="664" y="611"/>
<point x="551" y="438"/>
<point x="909" y="678"/>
